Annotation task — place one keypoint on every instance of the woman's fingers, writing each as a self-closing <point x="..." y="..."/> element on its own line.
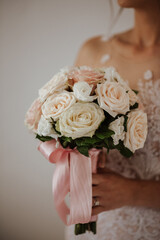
<point x="102" y="159"/>
<point x="104" y="170"/>
<point x="96" y="210"/>
<point x="98" y="177"/>
<point x="95" y="191"/>
<point x="95" y="179"/>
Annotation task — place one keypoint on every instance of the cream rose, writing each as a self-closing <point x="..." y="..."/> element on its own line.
<point x="133" y="98"/>
<point x="56" y="84"/>
<point x="45" y="127"/>
<point x="56" y="104"/>
<point x="82" y="91"/>
<point x="81" y="120"/>
<point x="136" y="130"/>
<point x="33" y="115"/>
<point x="118" y="127"/>
<point x="113" y="98"/>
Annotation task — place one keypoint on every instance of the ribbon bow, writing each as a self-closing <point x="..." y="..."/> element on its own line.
<point x="73" y="174"/>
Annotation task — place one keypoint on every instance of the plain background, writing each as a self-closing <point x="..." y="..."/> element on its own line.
<point x="38" y="37"/>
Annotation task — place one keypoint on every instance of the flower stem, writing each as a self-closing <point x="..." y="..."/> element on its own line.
<point x="81" y="228"/>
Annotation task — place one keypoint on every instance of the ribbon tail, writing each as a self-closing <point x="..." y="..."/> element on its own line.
<point x="60" y="186"/>
<point x="60" y="182"/>
<point x="80" y="188"/>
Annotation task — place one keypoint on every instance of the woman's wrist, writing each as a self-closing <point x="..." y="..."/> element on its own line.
<point x="144" y="193"/>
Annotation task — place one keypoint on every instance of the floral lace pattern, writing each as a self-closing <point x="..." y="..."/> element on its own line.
<point x="134" y="223"/>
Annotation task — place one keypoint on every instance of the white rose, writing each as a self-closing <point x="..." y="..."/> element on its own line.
<point x="82" y="91"/>
<point x="66" y="70"/>
<point x="57" y="103"/>
<point x="81" y="120"/>
<point x="56" y="84"/>
<point x="45" y="128"/>
<point x="118" y="127"/>
<point x="136" y="130"/>
<point x="113" y="98"/>
<point x="112" y="75"/>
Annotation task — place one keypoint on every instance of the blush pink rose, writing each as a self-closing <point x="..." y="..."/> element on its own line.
<point x="33" y="115"/>
<point x="86" y="74"/>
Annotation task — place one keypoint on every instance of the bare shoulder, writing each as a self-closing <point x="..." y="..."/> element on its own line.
<point x="89" y="50"/>
<point x="94" y="47"/>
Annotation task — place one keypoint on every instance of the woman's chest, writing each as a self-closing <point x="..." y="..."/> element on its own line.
<point x="131" y="71"/>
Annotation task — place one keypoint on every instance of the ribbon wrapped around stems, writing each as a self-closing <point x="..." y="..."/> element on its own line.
<point x="73" y="174"/>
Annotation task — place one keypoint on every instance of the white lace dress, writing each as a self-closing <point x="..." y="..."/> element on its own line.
<point x="134" y="223"/>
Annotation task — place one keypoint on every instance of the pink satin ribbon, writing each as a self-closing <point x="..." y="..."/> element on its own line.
<point x="73" y="174"/>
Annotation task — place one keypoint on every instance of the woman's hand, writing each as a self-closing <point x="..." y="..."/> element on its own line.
<point x="111" y="190"/>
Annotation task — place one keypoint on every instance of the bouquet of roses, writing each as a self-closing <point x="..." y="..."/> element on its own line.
<point x="79" y="113"/>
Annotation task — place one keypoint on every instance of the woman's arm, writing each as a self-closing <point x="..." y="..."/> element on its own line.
<point x="147" y="193"/>
<point x="114" y="191"/>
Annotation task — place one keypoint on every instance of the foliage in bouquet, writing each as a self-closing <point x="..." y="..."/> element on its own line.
<point x="88" y="108"/>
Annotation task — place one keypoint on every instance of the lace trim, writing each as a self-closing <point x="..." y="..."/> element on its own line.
<point x="124" y="223"/>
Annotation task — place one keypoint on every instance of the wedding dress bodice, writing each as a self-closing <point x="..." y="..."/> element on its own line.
<point x="134" y="223"/>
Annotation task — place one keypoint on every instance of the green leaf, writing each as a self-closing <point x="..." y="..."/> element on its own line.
<point x="103" y="135"/>
<point x="55" y="126"/>
<point x="66" y="139"/>
<point x="134" y="106"/>
<point x="126" y="152"/>
<point x="136" y="92"/>
<point x="123" y="150"/>
<point x="79" y="142"/>
<point x="125" y="123"/>
<point x="100" y="135"/>
<point x="111" y="144"/>
<point x="87" y="141"/>
<point x="64" y="144"/>
<point x="99" y="145"/>
<point x="108" y="118"/>
<point x="83" y="150"/>
<point x="44" y="138"/>
<point x="106" y="142"/>
<point x="72" y="144"/>
<point x="92" y="140"/>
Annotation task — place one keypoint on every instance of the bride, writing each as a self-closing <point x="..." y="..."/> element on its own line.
<point x="128" y="190"/>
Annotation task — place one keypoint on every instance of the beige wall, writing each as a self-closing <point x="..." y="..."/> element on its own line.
<point x="37" y="38"/>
